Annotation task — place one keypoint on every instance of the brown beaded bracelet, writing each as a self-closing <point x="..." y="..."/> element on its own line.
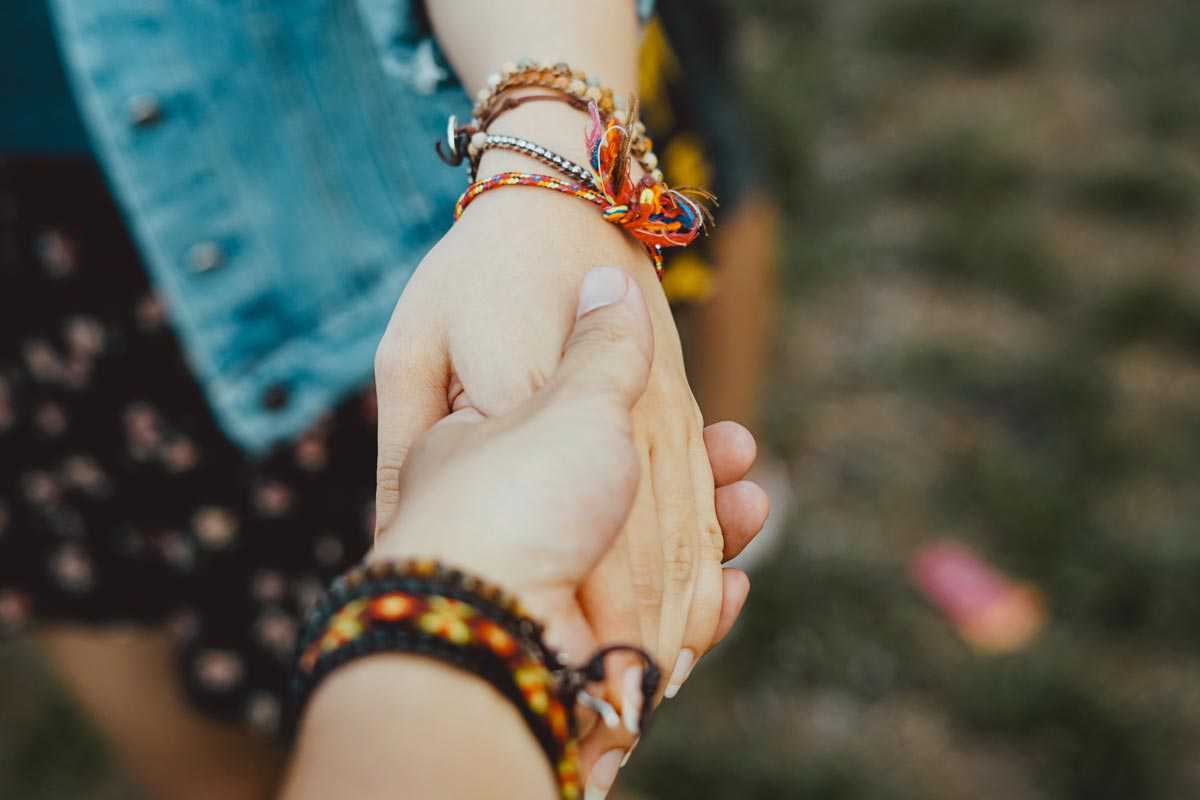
<point x="421" y="607"/>
<point x="572" y="86"/>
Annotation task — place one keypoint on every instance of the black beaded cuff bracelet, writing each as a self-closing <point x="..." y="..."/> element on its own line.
<point x="423" y="608"/>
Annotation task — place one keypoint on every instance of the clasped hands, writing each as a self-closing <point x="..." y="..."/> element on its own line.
<point x="577" y="475"/>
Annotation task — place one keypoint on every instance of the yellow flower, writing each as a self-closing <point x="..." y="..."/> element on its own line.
<point x="345" y="625"/>
<point x="532" y="679"/>
<point x="687" y="279"/>
<point x="657" y="65"/>
<point x="684" y="163"/>
<point x="448" y="618"/>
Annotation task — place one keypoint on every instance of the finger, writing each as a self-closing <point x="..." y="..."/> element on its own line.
<point x="737" y="589"/>
<point x="735" y="586"/>
<point x="603" y="749"/>
<point x="628" y="617"/>
<point x="742" y="510"/>
<point x="598" y="767"/>
<point x="692" y="552"/>
<point x="705" y="605"/>
<point x="731" y="451"/>
<point x="411" y="385"/>
<point x="608" y="353"/>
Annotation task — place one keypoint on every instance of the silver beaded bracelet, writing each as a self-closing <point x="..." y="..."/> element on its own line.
<point x="481" y="142"/>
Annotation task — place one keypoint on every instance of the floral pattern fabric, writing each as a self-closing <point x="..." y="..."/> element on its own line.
<point x="120" y="498"/>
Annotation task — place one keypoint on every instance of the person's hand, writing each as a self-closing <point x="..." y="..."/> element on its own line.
<point x="533" y="498"/>
<point x="481" y="326"/>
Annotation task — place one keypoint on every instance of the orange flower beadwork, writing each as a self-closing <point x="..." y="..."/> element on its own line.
<point x="448" y="619"/>
<point x="458" y="624"/>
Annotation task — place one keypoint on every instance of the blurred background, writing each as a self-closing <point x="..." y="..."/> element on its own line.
<point x="989" y="335"/>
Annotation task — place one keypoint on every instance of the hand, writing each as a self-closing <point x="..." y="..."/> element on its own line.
<point x="481" y="325"/>
<point x="533" y="498"/>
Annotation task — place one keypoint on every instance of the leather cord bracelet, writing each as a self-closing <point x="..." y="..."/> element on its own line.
<point x="423" y="608"/>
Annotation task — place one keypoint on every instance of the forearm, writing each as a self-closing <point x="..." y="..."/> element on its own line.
<point x="480" y="35"/>
<point x="404" y="726"/>
<point x="600" y="38"/>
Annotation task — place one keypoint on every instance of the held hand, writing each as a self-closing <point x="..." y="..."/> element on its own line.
<point x="533" y="497"/>
<point x="481" y="326"/>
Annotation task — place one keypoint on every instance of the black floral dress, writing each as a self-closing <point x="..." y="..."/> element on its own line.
<point x="120" y="499"/>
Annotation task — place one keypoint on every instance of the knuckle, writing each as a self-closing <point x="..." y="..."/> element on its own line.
<point x="696" y="418"/>
<point x="604" y="334"/>
<point x="713" y="543"/>
<point x="387" y="484"/>
<point x="536" y="377"/>
<point x="647" y="590"/>
<point x="679" y="564"/>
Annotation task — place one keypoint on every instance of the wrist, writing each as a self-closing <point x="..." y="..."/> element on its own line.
<point x="557" y="126"/>
<point x="559" y="234"/>
<point x="470" y="554"/>
<point x="416" y="706"/>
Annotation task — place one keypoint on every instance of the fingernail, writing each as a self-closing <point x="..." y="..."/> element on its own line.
<point x="683" y="668"/>
<point x="629" y="752"/>
<point x="602" y="286"/>
<point x="631" y="698"/>
<point x="602" y="707"/>
<point x="604" y="774"/>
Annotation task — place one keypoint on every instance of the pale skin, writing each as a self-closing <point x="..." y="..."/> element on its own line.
<point x="564" y="461"/>
<point x="450" y="345"/>
<point x="173" y="751"/>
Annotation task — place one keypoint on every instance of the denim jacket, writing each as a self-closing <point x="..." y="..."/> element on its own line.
<point x="275" y="163"/>
<point x="278" y="177"/>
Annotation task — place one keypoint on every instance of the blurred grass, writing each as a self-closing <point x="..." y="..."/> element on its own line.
<point x="992" y="333"/>
<point x="969" y="33"/>
<point x="1137" y="193"/>
<point x="48" y="750"/>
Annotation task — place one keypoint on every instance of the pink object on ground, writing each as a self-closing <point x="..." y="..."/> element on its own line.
<point x="989" y="611"/>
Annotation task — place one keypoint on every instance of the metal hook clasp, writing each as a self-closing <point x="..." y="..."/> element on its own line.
<point x="574" y="680"/>
<point x="456" y="143"/>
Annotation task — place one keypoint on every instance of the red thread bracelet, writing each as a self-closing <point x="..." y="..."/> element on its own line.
<point x="555" y="184"/>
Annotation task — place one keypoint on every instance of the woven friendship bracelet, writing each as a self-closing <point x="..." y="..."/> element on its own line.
<point x="423" y="608"/>
<point x="649" y="210"/>
<point x="554" y="184"/>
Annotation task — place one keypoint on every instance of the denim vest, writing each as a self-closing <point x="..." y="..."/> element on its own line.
<point x="275" y="163"/>
<point x="276" y="169"/>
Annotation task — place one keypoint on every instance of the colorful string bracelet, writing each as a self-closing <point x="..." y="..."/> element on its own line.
<point x="649" y="210"/>
<point x="424" y="608"/>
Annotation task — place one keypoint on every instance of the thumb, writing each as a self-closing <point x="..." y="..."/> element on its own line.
<point x="610" y="350"/>
<point x="411" y="384"/>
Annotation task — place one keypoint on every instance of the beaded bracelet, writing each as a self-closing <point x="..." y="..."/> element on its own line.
<point x="516" y="144"/>
<point x="654" y="214"/>
<point x="421" y="607"/>
<point x="572" y="86"/>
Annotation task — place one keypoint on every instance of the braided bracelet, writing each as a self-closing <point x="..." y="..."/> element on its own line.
<point x="421" y="607"/>
<point x="654" y="214"/>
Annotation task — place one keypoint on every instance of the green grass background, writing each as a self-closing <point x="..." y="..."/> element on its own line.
<point x="991" y="282"/>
